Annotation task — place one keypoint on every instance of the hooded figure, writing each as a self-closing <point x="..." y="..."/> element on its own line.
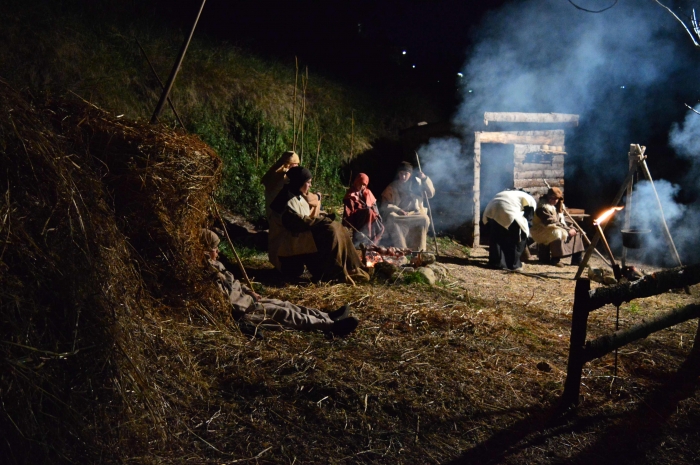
<point x="550" y="230"/>
<point x="250" y="308"/>
<point x="406" y="218"/>
<point x="274" y="181"/>
<point x="320" y="243"/>
<point x="361" y="212"/>
<point x="508" y="215"/>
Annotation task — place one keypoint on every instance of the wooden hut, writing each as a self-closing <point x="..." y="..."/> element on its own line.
<point x="538" y="154"/>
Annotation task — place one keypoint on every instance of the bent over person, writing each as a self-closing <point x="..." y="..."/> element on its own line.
<point x="555" y="237"/>
<point x="248" y="306"/>
<point x="405" y="217"/>
<point x="319" y="243"/>
<point x="508" y="215"/>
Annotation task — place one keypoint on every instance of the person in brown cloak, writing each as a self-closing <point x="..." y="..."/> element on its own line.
<point x="320" y="243"/>
<point x="556" y="238"/>
<point x="406" y="218"/>
<point x="257" y="312"/>
<point x="274" y="181"/>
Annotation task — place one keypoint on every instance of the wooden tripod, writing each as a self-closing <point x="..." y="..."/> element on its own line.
<point x="637" y="161"/>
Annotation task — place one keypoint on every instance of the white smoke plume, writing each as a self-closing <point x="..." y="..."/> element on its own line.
<point x="613" y="69"/>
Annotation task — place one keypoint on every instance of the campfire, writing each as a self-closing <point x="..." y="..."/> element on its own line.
<point x="373" y="254"/>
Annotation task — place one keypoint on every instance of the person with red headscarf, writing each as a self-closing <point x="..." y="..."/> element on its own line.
<point x="361" y="212"/>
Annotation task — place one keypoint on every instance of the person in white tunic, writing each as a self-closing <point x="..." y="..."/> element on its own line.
<point x="507" y="216"/>
<point x="406" y="219"/>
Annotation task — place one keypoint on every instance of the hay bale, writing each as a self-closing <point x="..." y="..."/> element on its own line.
<point x="98" y="220"/>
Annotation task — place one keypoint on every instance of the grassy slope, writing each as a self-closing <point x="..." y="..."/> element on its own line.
<point x="240" y="104"/>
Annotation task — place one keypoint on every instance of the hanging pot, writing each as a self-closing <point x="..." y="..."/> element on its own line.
<point x="634" y="238"/>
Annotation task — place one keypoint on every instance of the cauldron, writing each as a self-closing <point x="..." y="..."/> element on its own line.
<point x="634" y="238"/>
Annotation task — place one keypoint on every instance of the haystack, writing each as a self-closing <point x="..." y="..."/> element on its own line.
<point x="98" y="223"/>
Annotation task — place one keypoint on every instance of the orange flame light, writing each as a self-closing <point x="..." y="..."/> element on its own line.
<point x="607" y="215"/>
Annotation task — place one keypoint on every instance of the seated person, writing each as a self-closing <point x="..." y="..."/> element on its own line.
<point x="320" y="243"/>
<point x="508" y="215"/>
<point x="274" y="181"/>
<point x="249" y="307"/>
<point x="406" y="218"/>
<point x="555" y="237"/>
<point x="361" y="213"/>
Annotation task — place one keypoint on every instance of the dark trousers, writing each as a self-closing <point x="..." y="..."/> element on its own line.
<point x="506" y="245"/>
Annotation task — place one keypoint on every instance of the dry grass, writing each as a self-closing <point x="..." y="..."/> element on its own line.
<point x="115" y="350"/>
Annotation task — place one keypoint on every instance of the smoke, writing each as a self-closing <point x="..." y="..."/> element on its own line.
<point x="684" y="140"/>
<point x="617" y="70"/>
<point x="451" y="169"/>
<point x="646" y="215"/>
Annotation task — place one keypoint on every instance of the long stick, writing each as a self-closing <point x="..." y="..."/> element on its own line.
<point x="430" y="213"/>
<point x="238" y="259"/>
<point x="305" y="82"/>
<point x="176" y="68"/>
<point x="294" y="106"/>
<point x="155" y="74"/>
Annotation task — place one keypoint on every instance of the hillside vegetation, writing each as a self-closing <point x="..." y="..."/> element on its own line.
<point x="241" y="105"/>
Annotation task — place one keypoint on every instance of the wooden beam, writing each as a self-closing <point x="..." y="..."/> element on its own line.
<point x="516" y="117"/>
<point x="554" y="137"/>
<point x="606" y="344"/>
<point x="538" y="174"/>
<point x="476" y="190"/>
<point x="653" y="284"/>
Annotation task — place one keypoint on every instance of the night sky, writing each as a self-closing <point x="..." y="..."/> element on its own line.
<point x="358" y="42"/>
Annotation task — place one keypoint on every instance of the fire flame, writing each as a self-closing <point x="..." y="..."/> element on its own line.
<point x="606" y="215"/>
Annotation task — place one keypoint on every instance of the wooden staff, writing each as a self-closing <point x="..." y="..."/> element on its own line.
<point x="176" y="68"/>
<point x="430" y="213"/>
<point x="238" y="259"/>
<point x="155" y="74"/>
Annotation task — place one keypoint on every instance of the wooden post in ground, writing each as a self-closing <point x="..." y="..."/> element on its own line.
<point x="579" y="324"/>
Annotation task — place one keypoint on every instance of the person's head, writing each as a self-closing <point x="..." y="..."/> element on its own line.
<point x="404" y="171"/>
<point x="554" y="195"/>
<point x="299" y="179"/>
<point x="210" y="242"/>
<point x="290" y="159"/>
<point x="361" y="182"/>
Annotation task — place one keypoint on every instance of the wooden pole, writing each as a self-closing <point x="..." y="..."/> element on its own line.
<point x="305" y="82"/>
<point x="476" y="190"/>
<point x="235" y="254"/>
<point x="608" y="343"/>
<point x="596" y="238"/>
<point x="294" y="105"/>
<point x="176" y="68"/>
<point x="155" y="74"/>
<point x="633" y="163"/>
<point x="430" y="213"/>
<point x="667" y="233"/>
<point x="579" y="324"/>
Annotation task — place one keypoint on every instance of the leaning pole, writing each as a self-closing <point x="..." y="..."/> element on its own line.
<point x="176" y="68"/>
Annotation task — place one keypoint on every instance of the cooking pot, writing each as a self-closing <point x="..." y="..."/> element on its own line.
<point x="634" y="238"/>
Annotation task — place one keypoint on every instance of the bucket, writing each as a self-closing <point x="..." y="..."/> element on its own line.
<point x="634" y="238"/>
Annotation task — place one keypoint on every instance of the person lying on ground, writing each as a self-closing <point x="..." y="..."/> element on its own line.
<point x="254" y="312"/>
<point x="556" y="238"/>
<point x="321" y="244"/>
<point x="508" y="215"/>
<point x="360" y="212"/>
<point x="406" y="218"/>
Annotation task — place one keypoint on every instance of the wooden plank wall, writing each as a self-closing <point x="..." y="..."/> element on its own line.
<point x="530" y="176"/>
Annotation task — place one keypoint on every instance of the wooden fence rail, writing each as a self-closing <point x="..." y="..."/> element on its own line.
<point x="587" y="301"/>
